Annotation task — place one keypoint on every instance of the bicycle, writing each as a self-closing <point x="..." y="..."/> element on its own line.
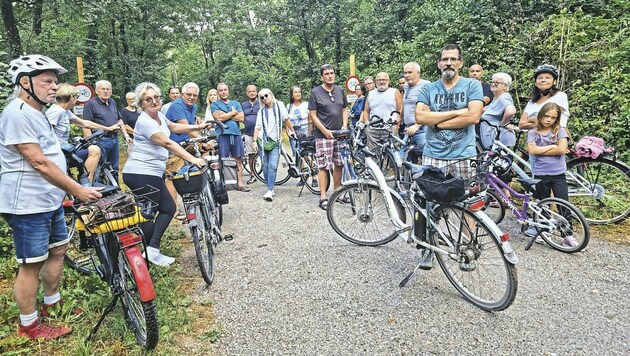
<point x="110" y="226"/>
<point x="598" y="187"/>
<point x="203" y="193"/>
<point x="476" y="257"/>
<point x="554" y="219"/>
<point x="80" y="255"/>
<point x="304" y="167"/>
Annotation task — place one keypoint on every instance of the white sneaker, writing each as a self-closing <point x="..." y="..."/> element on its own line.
<point x="268" y="196"/>
<point x="157" y="258"/>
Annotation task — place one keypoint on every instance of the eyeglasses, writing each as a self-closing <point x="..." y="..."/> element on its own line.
<point x="382" y="80"/>
<point x="264" y="96"/>
<point x="496" y="83"/>
<point x="446" y="60"/>
<point x="332" y="98"/>
<point x="191" y="95"/>
<point x="151" y="99"/>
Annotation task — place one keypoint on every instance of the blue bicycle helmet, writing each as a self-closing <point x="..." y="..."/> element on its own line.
<point x="546" y="68"/>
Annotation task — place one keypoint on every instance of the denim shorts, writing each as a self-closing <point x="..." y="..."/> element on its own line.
<point x="35" y="234"/>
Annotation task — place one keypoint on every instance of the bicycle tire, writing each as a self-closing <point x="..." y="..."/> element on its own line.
<point x="572" y="221"/>
<point x="309" y="172"/>
<point x="77" y="257"/>
<point x="141" y="316"/>
<point x="358" y="213"/>
<point x="390" y="169"/>
<point x="282" y="174"/>
<point x="480" y="271"/>
<point x="202" y="242"/>
<point x="606" y="199"/>
<point x="493" y="207"/>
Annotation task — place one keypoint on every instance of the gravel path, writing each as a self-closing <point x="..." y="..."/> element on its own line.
<point x="287" y="284"/>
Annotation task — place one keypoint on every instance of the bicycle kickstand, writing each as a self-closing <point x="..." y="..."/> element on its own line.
<point x="406" y="279"/>
<point x="108" y="309"/>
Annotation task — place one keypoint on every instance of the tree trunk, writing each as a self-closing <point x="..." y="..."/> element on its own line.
<point x="126" y="69"/>
<point x="13" y="34"/>
<point x="90" y="50"/>
<point x="37" y="16"/>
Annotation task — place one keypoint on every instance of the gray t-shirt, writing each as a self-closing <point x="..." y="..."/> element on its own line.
<point x="145" y="157"/>
<point x="329" y="108"/>
<point x="22" y="189"/>
<point x="548" y="165"/>
<point x="410" y="99"/>
<point x="60" y="119"/>
<point x="494" y="114"/>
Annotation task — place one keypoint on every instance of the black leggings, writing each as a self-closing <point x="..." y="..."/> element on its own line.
<point x="153" y="230"/>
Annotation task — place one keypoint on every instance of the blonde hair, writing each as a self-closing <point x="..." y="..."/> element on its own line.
<point x="65" y="91"/>
<point x="208" y="96"/>
<point x="555" y="127"/>
<point x="141" y="90"/>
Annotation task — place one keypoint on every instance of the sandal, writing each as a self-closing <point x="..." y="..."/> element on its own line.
<point x="244" y="189"/>
<point x="323" y="204"/>
<point x="251" y="180"/>
<point x="344" y="200"/>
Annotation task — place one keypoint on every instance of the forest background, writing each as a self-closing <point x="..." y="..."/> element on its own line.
<point x="280" y="43"/>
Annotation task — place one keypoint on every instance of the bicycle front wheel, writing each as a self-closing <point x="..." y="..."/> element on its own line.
<point x="600" y="189"/>
<point x="568" y="230"/>
<point x="200" y="231"/>
<point x="141" y="316"/>
<point x="475" y="264"/>
<point x="358" y="213"/>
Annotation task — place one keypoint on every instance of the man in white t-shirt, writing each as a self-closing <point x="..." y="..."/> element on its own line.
<point x="33" y="183"/>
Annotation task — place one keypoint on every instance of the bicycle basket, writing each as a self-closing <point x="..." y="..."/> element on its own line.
<point x="115" y="212"/>
<point x="190" y="179"/>
<point x="454" y="182"/>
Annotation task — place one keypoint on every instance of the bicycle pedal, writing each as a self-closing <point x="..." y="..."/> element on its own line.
<point x="228" y="237"/>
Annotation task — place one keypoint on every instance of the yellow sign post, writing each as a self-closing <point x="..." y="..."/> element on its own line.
<point x="352" y="66"/>
<point x="80" y="69"/>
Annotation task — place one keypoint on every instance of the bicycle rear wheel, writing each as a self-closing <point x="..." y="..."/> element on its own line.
<point x="475" y="264"/>
<point x="565" y="220"/>
<point x="200" y="231"/>
<point x="494" y="207"/>
<point x="600" y="189"/>
<point x="141" y="316"/>
<point x="282" y="174"/>
<point x="358" y="213"/>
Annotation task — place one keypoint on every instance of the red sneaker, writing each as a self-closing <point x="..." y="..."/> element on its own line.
<point x="44" y="313"/>
<point x="37" y="330"/>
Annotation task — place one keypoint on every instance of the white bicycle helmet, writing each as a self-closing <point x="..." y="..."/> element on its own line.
<point x="32" y="64"/>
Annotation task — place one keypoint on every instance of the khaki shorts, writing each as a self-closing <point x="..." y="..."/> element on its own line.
<point x="249" y="145"/>
<point x="173" y="164"/>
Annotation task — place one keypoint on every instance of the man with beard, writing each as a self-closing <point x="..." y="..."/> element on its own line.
<point x="450" y="108"/>
<point x="381" y="102"/>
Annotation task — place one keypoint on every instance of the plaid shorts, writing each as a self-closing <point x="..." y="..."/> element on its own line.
<point x="457" y="167"/>
<point x="327" y="153"/>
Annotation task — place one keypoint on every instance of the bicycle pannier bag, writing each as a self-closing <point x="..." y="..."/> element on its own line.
<point x="229" y="173"/>
<point x="220" y="192"/>
<point x="440" y="188"/>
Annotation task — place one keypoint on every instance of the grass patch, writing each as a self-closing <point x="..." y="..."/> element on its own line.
<point x="181" y="319"/>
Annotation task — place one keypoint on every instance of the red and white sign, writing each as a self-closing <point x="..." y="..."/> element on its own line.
<point x="351" y="83"/>
<point x="85" y="93"/>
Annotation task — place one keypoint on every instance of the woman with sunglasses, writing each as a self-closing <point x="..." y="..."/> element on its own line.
<point x="60" y="116"/>
<point x="147" y="161"/>
<point x="271" y="116"/>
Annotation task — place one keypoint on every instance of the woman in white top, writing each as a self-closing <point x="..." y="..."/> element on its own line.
<point x="298" y="114"/>
<point x="147" y="161"/>
<point x="213" y="95"/>
<point x="269" y="121"/>
<point x="545" y="91"/>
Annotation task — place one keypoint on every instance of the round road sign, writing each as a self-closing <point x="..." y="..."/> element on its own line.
<point x="351" y="83"/>
<point x="85" y="93"/>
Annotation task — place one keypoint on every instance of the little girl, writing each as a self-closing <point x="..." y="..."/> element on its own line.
<point x="548" y="143"/>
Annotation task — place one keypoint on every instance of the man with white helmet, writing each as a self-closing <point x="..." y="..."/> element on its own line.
<point x="33" y="183"/>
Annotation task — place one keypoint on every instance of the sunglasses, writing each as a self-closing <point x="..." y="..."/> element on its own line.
<point x="332" y="98"/>
<point x="263" y="97"/>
